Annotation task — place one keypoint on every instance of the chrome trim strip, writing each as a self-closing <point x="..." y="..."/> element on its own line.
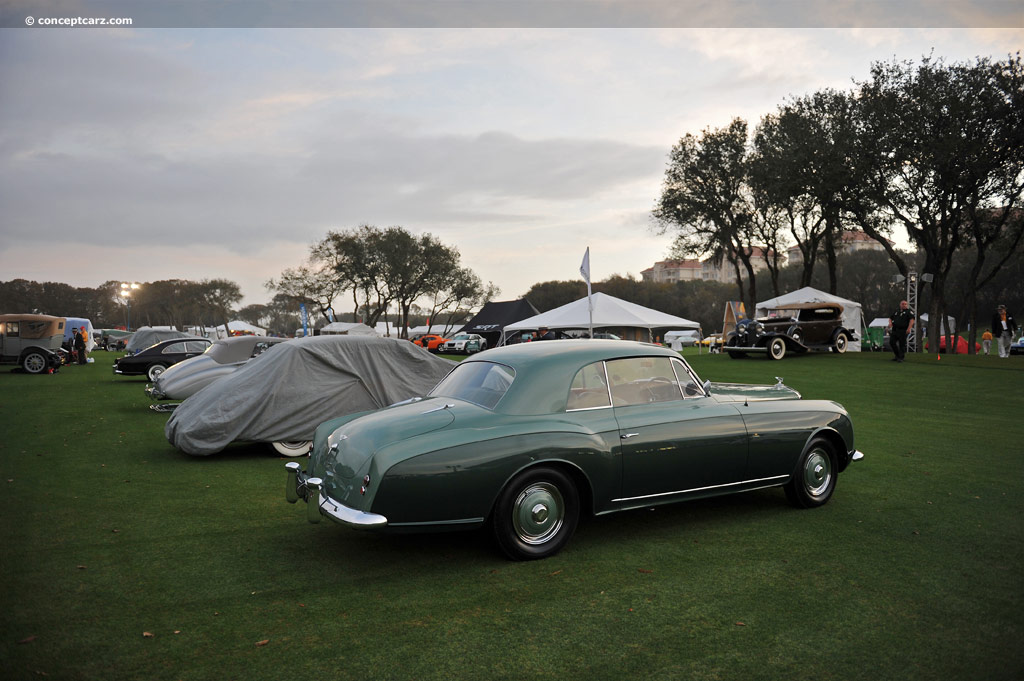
<point x="606" y="406"/>
<point x="461" y="521"/>
<point x="701" y="489"/>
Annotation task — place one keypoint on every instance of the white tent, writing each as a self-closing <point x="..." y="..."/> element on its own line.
<point x="947" y="328"/>
<point x="609" y="312"/>
<point x="879" y="323"/>
<point x="853" y="317"/>
<point x="347" y="328"/>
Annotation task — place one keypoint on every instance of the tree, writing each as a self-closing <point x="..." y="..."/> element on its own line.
<point x="800" y="168"/>
<point x="706" y="199"/>
<point x="380" y="268"/>
<point x="940" y="147"/>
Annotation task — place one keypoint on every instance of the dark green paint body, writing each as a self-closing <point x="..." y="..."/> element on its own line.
<point x="440" y="463"/>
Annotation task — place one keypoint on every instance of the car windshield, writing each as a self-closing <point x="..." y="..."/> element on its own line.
<point x="462" y="336"/>
<point x="482" y="383"/>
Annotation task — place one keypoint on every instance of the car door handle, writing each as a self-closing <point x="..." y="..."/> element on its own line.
<point x="626" y="436"/>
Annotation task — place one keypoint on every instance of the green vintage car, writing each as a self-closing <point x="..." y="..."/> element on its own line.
<point x="526" y="438"/>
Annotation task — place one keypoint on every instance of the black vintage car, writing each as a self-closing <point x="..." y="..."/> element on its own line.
<point x="800" y="328"/>
<point x="152" y="361"/>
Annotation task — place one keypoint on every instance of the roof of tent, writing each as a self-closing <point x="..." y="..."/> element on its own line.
<point x="347" y="328"/>
<point x="493" y="317"/>
<point x="609" y="311"/>
<point x="852" y="315"/>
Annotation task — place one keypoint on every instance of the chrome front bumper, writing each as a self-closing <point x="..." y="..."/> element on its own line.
<point x="301" y="486"/>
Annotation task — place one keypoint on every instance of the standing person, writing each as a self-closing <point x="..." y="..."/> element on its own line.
<point x="79" y="346"/>
<point x="986" y="341"/>
<point x="1003" y="328"/>
<point x="901" y="323"/>
<point x="544" y="334"/>
<point x="85" y="343"/>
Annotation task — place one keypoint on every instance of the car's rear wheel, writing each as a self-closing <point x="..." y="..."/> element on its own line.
<point x="155" y="371"/>
<point x="841" y="343"/>
<point x="776" y="348"/>
<point x="536" y="514"/>
<point x="815" y="478"/>
<point x="34" y="363"/>
<point x="297" y="448"/>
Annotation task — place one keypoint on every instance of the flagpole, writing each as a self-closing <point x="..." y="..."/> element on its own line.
<point x="585" y="271"/>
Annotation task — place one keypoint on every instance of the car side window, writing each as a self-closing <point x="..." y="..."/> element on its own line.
<point x="588" y="389"/>
<point x="173" y="348"/>
<point x="688" y="380"/>
<point x="12" y="329"/>
<point x="642" y="380"/>
<point x="196" y="346"/>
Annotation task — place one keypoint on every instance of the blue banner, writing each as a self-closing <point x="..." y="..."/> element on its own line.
<point x="305" y="320"/>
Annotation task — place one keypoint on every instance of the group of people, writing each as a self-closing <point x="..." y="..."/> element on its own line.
<point x="901" y="323"/>
<point x="78" y="345"/>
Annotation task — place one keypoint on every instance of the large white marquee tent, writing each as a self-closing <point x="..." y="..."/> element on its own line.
<point x="608" y="312"/>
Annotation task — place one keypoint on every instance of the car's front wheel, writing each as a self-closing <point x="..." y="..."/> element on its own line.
<point x="815" y="478"/>
<point x="776" y="348"/>
<point x="297" y="448"/>
<point x="536" y="514"/>
<point x="841" y="343"/>
<point x="34" y="363"/>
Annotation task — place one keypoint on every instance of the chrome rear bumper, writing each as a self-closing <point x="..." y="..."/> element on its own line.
<point x="301" y="486"/>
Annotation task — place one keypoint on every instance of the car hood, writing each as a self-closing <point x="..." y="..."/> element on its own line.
<point x="744" y="392"/>
<point x="351" y="445"/>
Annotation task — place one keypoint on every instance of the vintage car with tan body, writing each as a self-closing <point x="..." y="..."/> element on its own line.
<point x="525" y="438"/>
<point x="31" y="341"/>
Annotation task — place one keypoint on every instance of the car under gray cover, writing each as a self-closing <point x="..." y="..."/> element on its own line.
<point x="282" y="396"/>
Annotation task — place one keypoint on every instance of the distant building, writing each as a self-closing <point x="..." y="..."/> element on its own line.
<point x="851" y="241"/>
<point x="671" y="271"/>
<point x="726" y="273"/>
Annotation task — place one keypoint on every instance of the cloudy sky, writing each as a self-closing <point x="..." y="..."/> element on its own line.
<point x="197" y="152"/>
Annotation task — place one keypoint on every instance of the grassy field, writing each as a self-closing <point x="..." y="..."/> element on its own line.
<point x="123" y="558"/>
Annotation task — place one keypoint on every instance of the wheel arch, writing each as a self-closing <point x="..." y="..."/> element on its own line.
<point x="832" y="436"/>
<point x="579" y="478"/>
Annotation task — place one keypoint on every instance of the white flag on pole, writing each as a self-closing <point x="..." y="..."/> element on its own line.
<point x="585" y="271"/>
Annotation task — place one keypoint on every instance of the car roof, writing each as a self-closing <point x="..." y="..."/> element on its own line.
<point x="544" y="369"/>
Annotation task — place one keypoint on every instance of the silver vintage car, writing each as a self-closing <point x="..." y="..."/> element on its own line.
<point x="220" y="359"/>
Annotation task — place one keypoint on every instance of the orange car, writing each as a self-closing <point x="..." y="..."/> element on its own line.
<point x="430" y="341"/>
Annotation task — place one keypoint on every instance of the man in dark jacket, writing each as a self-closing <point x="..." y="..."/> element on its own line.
<point x="1003" y="328"/>
<point x="901" y="323"/>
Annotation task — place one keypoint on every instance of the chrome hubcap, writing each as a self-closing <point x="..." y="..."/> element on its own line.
<point x="537" y="513"/>
<point x="817" y="472"/>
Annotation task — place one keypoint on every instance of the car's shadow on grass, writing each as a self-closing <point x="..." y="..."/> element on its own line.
<point x="692" y="521"/>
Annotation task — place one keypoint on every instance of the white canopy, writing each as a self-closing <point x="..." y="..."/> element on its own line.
<point x="347" y="328"/>
<point x="879" y="322"/>
<point x="852" y="314"/>
<point x="609" y="311"/>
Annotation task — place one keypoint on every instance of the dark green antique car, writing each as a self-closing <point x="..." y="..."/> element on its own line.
<point x="527" y="437"/>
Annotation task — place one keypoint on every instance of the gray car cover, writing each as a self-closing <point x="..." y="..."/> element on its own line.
<point x="282" y="396"/>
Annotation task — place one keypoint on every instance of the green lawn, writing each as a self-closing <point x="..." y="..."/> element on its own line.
<point x="123" y="558"/>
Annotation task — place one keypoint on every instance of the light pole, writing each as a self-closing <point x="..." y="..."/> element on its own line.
<point x="126" y="293"/>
